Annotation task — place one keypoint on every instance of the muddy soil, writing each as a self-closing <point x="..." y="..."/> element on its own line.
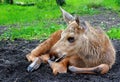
<point x="105" y="19"/>
<point x="13" y="66"/>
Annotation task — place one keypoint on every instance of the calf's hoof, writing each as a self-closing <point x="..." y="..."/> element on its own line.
<point x="34" y="65"/>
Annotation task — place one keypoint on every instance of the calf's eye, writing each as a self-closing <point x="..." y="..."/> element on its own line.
<point x="71" y="39"/>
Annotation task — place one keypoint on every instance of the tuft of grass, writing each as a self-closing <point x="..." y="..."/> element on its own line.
<point x="114" y="33"/>
<point x="118" y="2"/>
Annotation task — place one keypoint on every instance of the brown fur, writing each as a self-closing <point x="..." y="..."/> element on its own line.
<point x="90" y="52"/>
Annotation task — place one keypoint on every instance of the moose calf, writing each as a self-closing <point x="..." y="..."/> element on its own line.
<point x="80" y="48"/>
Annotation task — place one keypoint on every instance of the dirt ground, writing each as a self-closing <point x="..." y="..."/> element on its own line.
<point x="13" y="63"/>
<point x="13" y="66"/>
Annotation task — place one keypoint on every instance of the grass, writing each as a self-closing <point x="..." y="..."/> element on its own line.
<point x="13" y="14"/>
<point x="39" y="21"/>
<point x="114" y="33"/>
<point x="30" y="32"/>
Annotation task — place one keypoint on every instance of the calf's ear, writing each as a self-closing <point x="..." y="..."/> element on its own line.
<point x="67" y="16"/>
<point x="82" y="24"/>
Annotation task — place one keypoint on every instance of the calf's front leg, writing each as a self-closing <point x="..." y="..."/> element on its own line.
<point x="62" y="65"/>
<point x="59" y="67"/>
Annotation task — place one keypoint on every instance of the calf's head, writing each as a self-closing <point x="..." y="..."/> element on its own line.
<point x="73" y="37"/>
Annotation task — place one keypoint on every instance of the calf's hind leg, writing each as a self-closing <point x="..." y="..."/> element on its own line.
<point x="36" y="55"/>
<point x="100" y="69"/>
<point x="44" y="47"/>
